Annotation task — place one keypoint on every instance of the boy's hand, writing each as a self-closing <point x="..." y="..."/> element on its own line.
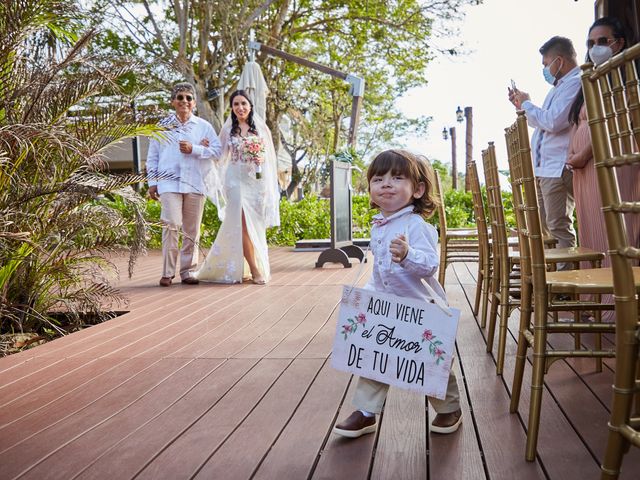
<point x="399" y="248"/>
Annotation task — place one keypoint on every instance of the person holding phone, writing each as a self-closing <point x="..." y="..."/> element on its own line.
<point x="550" y="140"/>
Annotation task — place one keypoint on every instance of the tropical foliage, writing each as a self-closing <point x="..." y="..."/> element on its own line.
<point x="61" y="216"/>
<point x="388" y="43"/>
<point x="310" y="219"/>
<point x="66" y="87"/>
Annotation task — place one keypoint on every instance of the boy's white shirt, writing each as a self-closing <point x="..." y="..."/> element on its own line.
<point x="404" y="279"/>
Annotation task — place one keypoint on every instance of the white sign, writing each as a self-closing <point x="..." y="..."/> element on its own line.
<point x="400" y="341"/>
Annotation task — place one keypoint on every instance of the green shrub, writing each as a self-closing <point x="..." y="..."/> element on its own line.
<point x="210" y="225"/>
<point x="458" y="206"/>
<point x="310" y="218"/>
<point x="303" y="220"/>
<point x="152" y="212"/>
<point x="509" y="214"/>
<point x="362" y="214"/>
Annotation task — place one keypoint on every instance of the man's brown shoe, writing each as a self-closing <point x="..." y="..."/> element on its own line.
<point x="356" y="425"/>
<point x="165" y="282"/>
<point x="191" y="281"/>
<point x="447" y="422"/>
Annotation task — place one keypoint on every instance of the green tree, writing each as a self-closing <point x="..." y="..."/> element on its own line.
<point x="389" y="43"/>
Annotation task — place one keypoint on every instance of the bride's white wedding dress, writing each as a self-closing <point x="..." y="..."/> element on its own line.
<point x="242" y="192"/>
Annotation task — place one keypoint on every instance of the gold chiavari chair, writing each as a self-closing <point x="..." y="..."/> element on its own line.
<point x="505" y="291"/>
<point x="546" y="286"/>
<point x="456" y="245"/>
<point x="504" y="285"/>
<point x="571" y="256"/>
<point x="484" y="261"/>
<point x="612" y="99"/>
<point x="485" y="241"/>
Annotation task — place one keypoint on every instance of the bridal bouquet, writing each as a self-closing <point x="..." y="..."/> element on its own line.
<point x="253" y="151"/>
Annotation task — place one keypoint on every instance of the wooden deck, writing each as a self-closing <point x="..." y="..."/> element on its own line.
<point x="233" y="382"/>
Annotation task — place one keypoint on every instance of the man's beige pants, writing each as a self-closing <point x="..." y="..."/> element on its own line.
<point x="556" y="203"/>
<point x="370" y="396"/>
<point x="180" y="211"/>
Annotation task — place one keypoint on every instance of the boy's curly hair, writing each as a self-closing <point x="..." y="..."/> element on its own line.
<point x="416" y="168"/>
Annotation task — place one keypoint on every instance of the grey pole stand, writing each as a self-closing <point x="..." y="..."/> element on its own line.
<point x="342" y="247"/>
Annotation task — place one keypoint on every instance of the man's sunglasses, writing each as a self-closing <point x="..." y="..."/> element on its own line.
<point x="602" y="41"/>
<point x="188" y="98"/>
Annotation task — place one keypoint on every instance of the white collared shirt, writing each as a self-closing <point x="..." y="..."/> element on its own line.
<point x="550" y="141"/>
<point x="189" y="170"/>
<point x="422" y="260"/>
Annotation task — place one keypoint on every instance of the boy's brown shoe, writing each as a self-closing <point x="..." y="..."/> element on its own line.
<point x="356" y="425"/>
<point x="165" y="282"/>
<point x="447" y="422"/>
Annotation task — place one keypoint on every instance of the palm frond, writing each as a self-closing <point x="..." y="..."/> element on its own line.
<point x="61" y="214"/>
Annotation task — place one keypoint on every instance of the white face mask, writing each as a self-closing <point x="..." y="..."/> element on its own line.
<point x="600" y="54"/>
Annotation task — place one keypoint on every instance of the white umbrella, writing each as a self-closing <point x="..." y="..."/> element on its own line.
<point x="252" y="81"/>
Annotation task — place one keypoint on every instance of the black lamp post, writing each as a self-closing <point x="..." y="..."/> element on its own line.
<point x="454" y="169"/>
<point x="460" y="116"/>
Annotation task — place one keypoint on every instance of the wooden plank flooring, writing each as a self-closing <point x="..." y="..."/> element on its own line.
<point x="234" y="382"/>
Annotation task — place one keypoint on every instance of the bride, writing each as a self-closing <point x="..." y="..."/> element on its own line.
<point x="247" y="198"/>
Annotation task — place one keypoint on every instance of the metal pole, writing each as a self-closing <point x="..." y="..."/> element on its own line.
<point x="454" y="167"/>
<point x="356" y="103"/>
<point x="468" y="113"/>
<point x="135" y="144"/>
<point x="357" y="83"/>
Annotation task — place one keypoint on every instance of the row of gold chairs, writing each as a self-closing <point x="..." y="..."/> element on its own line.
<point x="541" y="289"/>
<point x="526" y="277"/>
<point x="506" y="284"/>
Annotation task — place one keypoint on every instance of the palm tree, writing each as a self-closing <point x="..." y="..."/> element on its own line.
<point x="61" y="213"/>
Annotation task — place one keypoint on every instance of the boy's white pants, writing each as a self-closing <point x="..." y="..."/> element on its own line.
<point x="370" y="396"/>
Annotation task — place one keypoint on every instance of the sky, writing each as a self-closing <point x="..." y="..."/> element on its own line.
<point x="504" y="37"/>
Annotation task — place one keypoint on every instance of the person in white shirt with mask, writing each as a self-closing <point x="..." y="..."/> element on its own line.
<point x="550" y="141"/>
<point x="177" y="167"/>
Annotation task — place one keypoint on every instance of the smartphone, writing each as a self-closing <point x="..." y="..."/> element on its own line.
<point x="513" y="85"/>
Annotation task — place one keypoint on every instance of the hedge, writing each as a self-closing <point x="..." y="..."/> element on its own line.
<point x="310" y="218"/>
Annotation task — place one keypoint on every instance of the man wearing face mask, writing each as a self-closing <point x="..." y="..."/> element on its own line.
<point x="550" y="141"/>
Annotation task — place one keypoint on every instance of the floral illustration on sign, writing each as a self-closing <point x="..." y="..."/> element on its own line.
<point x="355" y="297"/>
<point x="352" y="325"/>
<point x="434" y="346"/>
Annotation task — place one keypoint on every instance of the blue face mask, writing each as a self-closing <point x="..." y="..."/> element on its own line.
<point x="546" y="72"/>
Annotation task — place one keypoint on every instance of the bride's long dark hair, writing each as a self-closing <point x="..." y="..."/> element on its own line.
<point x="235" y="124"/>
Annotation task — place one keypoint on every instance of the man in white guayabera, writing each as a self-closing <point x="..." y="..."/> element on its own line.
<point x="550" y="141"/>
<point x="177" y="166"/>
